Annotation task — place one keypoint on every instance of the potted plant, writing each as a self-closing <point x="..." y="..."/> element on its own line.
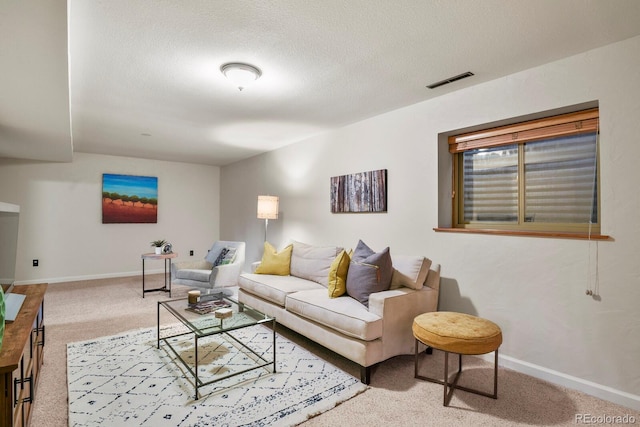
<point x="158" y="244"/>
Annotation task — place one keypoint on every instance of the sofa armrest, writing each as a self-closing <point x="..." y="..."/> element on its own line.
<point x="225" y="275"/>
<point x="415" y="301"/>
<point x="398" y="308"/>
<point x="381" y="302"/>
<point x="433" y="278"/>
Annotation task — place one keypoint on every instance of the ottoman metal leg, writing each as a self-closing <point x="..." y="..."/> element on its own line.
<point x="454" y="384"/>
<point x="495" y="381"/>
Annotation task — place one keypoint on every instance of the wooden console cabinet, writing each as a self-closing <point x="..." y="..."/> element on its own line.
<point x="21" y="357"/>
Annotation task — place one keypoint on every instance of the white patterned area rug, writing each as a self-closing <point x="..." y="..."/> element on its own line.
<point x="124" y="380"/>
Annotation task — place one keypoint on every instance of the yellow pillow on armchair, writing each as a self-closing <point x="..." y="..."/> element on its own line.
<point x="273" y="262"/>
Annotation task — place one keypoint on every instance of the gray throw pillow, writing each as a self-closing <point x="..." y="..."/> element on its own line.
<point x="221" y="257"/>
<point x="214" y="252"/>
<point x="369" y="272"/>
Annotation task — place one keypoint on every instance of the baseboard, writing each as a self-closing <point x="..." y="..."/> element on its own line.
<point x="610" y="394"/>
<point x="90" y="277"/>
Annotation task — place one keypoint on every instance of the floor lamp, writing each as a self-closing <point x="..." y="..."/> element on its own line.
<point x="267" y="209"/>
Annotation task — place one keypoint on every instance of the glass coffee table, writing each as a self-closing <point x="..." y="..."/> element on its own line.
<point x="195" y="327"/>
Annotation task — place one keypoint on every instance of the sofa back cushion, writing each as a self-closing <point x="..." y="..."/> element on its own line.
<point x="409" y="271"/>
<point x="313" y="262"/>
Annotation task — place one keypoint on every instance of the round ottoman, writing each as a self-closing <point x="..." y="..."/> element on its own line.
<point x="457" y="333"/>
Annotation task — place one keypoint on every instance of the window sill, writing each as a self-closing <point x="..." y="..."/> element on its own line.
<point x="547" y="234"/>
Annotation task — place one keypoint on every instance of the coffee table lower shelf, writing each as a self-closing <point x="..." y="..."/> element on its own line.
<point x="260" y="362"/>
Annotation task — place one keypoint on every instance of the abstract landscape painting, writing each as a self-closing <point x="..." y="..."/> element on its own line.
<point x="129" y="199"/>
<point x="359" y="192"/>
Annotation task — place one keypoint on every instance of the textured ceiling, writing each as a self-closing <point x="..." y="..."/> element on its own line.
<point x="144" y="77"/>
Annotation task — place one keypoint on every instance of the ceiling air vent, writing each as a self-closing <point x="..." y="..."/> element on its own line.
<point x="450" y="80"/>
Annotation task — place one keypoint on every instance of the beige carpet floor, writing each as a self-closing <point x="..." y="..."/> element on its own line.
<point x="82" y="310"/>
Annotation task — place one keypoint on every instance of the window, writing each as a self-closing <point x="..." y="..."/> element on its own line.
<point x="536" y="176"/>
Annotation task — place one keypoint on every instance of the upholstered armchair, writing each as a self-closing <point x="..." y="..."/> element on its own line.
<point x="216" y="270"/>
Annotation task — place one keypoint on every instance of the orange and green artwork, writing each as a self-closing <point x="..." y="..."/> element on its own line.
<point x="129" y="199"/>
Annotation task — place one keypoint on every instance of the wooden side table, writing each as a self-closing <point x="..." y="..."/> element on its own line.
<point x="167" y="280"/>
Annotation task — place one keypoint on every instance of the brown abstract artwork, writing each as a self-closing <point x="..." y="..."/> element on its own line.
<point x="359" y="192"/>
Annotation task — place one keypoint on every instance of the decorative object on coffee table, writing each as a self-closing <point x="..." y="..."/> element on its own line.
<point x="223" y="313"/>
<point x="194" y="296"/>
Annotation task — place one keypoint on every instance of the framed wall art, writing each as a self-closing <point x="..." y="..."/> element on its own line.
<point x="129" y="199"/>
<point x="359" y="192"/>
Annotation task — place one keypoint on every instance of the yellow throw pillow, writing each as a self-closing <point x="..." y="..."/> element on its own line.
<point x="338" y="275"/>
<point x="273" y="262"/>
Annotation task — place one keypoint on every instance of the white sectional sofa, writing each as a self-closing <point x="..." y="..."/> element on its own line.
<point x="365" y="335"/>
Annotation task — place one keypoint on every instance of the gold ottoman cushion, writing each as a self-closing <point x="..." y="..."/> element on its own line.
<point x="457" y="332"/>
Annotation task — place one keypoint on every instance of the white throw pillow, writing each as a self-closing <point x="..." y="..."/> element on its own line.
<point x="313" y="262"/>
<point x="409" y="271"/>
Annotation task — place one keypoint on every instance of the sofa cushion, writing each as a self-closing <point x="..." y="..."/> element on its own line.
<point x="338" y="275"/>
<point x="275" y="288"/>
<point x="193" y="274"/>
<point x="274" y="262"/>
<point x="312" y="262"/>
<point x="369" y="272"/>
<point x="344" y="314"/>
<point x="409" y="271"/>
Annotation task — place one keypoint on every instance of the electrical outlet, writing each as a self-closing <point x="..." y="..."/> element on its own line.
<point x="35" y="262"/>
<point x="191" y="253"/>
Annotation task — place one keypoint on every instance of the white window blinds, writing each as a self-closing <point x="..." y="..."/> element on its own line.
<point x="538" y="172"/>
<point x="560" y="180"/>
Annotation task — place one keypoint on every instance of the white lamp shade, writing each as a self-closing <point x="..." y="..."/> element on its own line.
<point x="268" y="207"/>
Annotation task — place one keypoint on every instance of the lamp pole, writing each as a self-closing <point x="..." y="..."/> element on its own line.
<point x="267" y="209"/>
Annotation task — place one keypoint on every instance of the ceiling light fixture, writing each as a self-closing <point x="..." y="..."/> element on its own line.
<point x="240" y="74"/>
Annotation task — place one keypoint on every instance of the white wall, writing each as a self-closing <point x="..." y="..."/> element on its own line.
<point x="61" y="216"/>
<point x="534" y="288"/>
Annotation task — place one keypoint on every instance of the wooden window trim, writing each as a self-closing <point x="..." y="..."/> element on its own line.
<point x="554" y="234"/>
<point x="566" y="124"/>
<point x="580" y="122"/>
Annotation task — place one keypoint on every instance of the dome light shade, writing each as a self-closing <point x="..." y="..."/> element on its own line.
<point x="240" y="74"/>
